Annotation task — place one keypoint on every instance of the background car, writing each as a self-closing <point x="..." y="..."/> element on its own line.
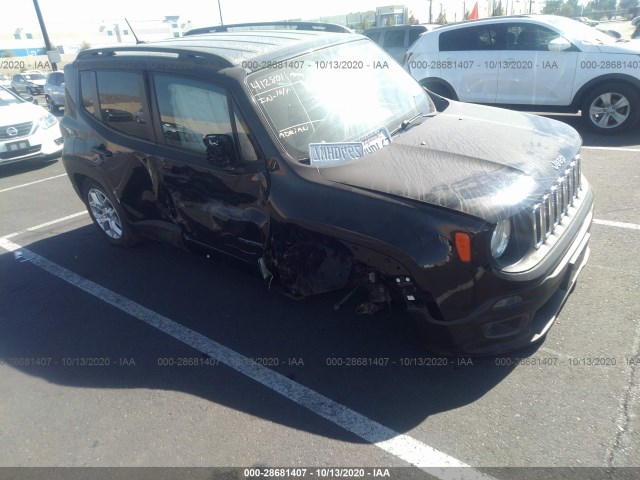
<point x="586" y="21"/>
<point x="540" y="63"/>
<point x="54" y="91"/>
<point x="32" y="83"/>
<point x="27" y="131"/>
<point x="396" y="40"/>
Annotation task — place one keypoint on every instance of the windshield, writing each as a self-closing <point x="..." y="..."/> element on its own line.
<point x="574" y="30"/>
<point x="7" y="98"/>
<point x="33" y="76"/>
<point x="342" y="93"/>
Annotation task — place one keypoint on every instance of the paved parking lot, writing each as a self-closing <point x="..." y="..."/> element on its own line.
<point x="156" y="357"/>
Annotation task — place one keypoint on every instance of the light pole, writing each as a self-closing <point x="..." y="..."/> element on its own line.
<point x="45" y="35"/>
<point x="220" y="11"/>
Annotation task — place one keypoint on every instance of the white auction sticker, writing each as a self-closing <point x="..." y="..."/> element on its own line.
<point x="326" y="154"/>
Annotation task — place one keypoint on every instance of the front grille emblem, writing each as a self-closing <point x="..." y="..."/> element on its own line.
<point x="12" y="131"/>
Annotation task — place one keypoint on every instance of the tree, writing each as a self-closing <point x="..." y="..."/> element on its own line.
<point x="84" y="45"/>
<point x="627" y="4"/>
<point x="498" y="11"/>
<point x="412" y="19"/>
<point x="466" y="15"/>
<point x="442" y="18"/>
<point x="602" y="8"/>
<point x="391" y="22"/>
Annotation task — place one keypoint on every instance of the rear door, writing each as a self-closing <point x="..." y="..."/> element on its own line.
<point x="210" y="165"/>
<point x="116" y="148"/>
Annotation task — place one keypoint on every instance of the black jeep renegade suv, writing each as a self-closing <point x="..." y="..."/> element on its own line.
<point x="316" y="158"/>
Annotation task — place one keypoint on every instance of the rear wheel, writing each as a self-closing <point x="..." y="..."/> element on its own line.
<point x="107" y="214"/>
<point x="611" y="108"/>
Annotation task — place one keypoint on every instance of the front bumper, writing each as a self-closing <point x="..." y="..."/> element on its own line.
<point x="491" y="328"/>
<point x="39" y="144"/>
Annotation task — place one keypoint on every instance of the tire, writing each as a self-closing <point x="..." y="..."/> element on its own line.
<point x="107" y="214"/>
<point x="53" y="108"/>
<point x="610" y="109"/>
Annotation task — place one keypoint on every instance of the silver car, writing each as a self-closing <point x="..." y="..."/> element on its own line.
<point x="54" y="91"/>
<point x="31" y="83"/>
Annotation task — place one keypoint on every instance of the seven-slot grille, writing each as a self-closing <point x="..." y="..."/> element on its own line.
<point x="23" y="129"/>
<point x="553" y="208"/>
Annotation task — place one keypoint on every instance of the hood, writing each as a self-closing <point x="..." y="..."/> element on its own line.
<point x="20" y="113"/>
<point x="482" y="161"/>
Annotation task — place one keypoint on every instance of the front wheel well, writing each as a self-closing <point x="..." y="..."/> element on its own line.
<point x="439" y="87"/>
<point x="581" y="94"/>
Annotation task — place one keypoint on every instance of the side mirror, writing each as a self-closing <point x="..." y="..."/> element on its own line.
<point x="560" y="44"/>
<point x="220" y="149"/>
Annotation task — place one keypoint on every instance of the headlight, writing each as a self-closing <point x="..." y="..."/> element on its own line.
<point x="47" y="121"/>
<point x="500" y="238"/>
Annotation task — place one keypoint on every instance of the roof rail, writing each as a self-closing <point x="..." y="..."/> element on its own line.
<point x="282" y="25"/>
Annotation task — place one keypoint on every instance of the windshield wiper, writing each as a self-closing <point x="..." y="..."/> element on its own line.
<point x="405" y="123"/>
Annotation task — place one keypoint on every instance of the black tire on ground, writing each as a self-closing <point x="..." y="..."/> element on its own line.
<point x="107" y="214"/>
<point x="53" y="108"/>
<point x="611" y="108"/>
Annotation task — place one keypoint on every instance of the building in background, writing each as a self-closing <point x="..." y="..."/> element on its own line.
<point x="392" y="15"/>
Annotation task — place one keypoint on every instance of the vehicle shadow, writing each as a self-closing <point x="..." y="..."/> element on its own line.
<point x="18" y="168"/>
<point x="47" y="318"/>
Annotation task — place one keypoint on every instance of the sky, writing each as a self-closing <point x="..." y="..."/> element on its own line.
<point x="200" y="12"/>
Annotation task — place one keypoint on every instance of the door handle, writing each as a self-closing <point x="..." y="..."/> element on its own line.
<point x="102" y="153"/>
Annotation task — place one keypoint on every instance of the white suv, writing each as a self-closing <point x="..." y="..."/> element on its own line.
<point x="540" y="63"/>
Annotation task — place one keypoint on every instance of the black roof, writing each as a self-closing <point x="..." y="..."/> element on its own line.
<point x="231" y="48"/>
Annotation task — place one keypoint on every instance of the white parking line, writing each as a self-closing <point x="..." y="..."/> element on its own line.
<point x="410" y="450"/>
<point x="610" y="223"/>
<point x="46" y="224"/>
<point x="32" y="183"/>
<point x="613" y="149"/>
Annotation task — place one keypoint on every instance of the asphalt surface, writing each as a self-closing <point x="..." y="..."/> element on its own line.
<point x="103" y="356"/>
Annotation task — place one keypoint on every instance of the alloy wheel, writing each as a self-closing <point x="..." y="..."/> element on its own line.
<point x="609" y="110"/>
<point x="104" y="213"/>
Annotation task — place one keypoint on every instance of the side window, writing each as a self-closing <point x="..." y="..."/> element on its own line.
<point x="89" y="92"/>
<point x="375" y="36"/>
<point x="394" y="38"/>
<point x="190" y="110"/>
<point x="121" y="98"/>
<point x="471" y="38"/>
<point x="414" y="33"/>
<point x="529" y="37"/>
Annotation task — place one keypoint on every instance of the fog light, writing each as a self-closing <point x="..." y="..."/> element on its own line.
<point x="507" y="302"/>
